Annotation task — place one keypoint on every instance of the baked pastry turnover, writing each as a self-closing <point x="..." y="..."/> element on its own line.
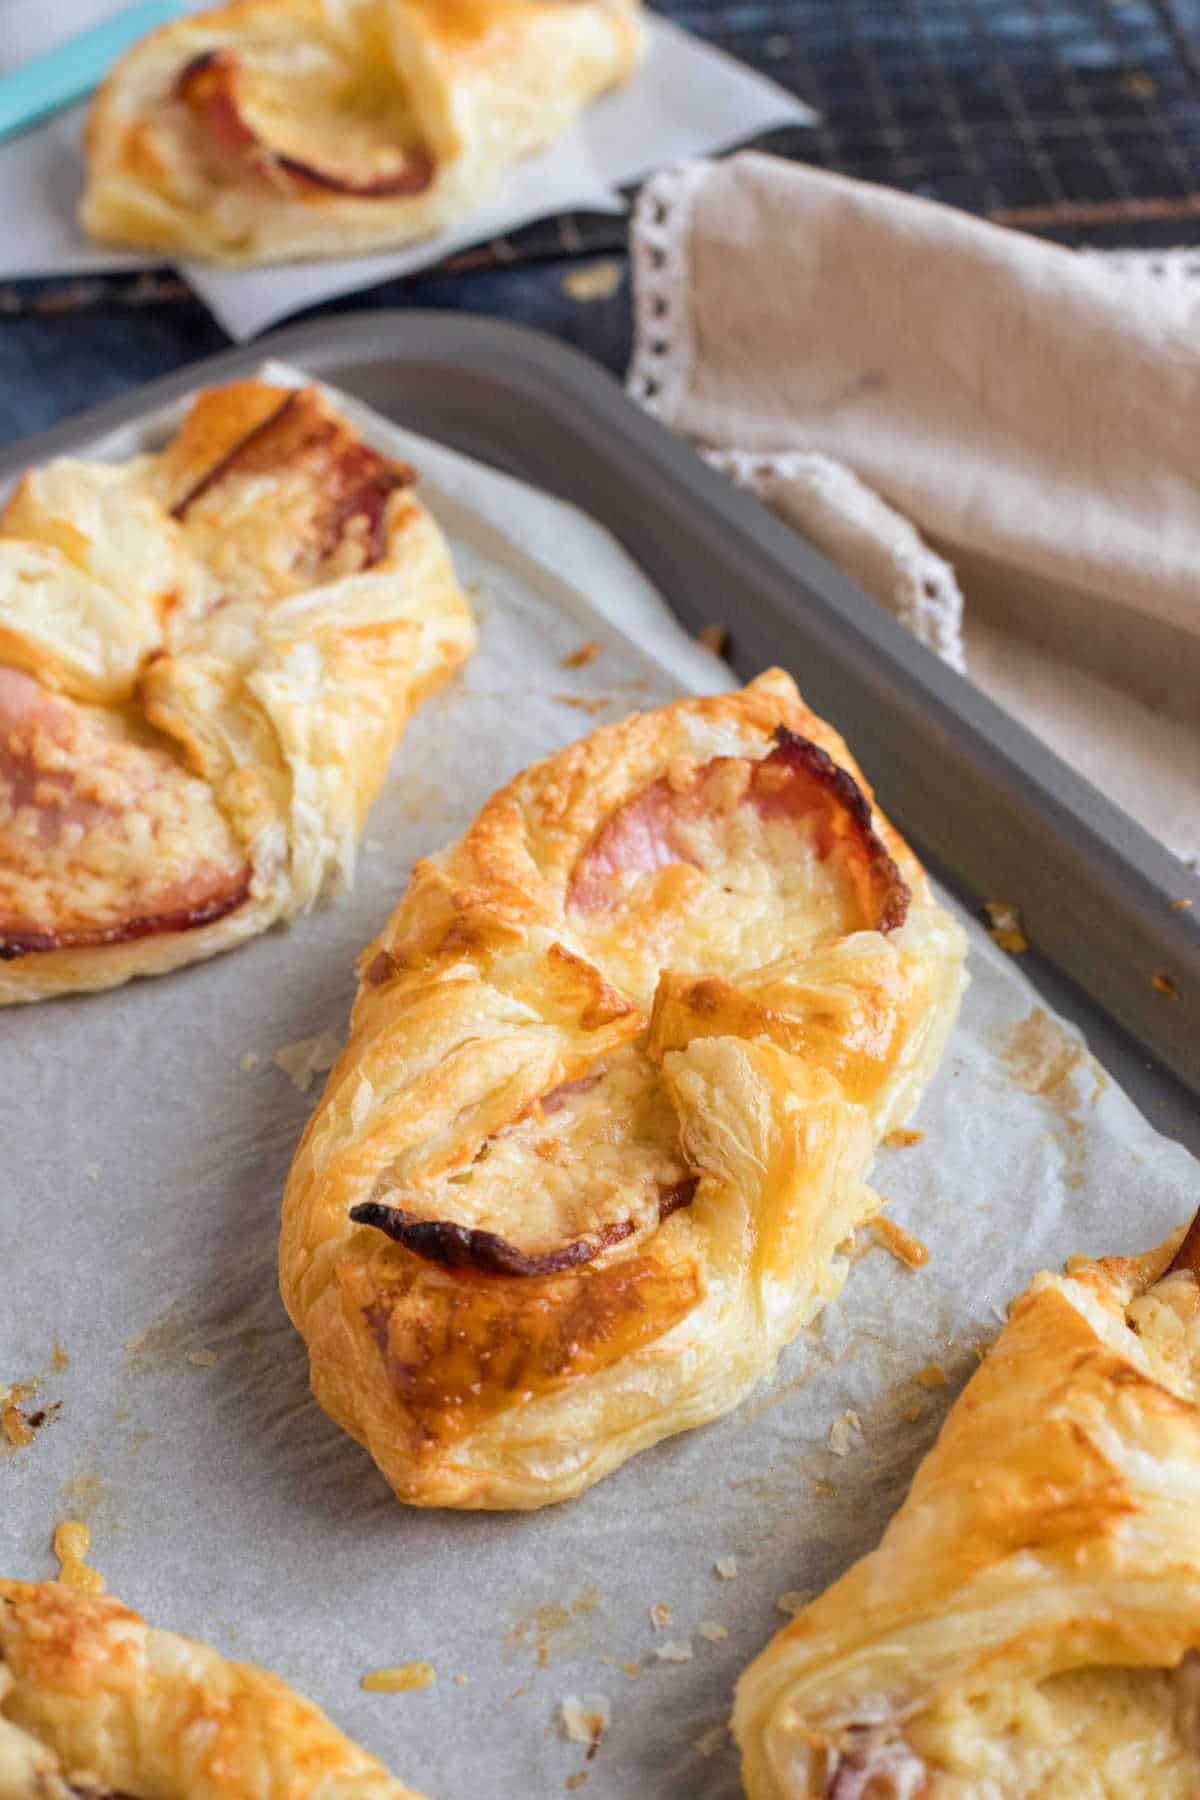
<point x="617" y="1067"/>
<point x="1030" y="1623"/>
<point x="207" y="656"/>
<point x="96" y="1705"/>
<point x="275" y="129"/>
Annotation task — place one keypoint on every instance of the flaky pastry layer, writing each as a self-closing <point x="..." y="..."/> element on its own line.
<point x="97" y="1705"/>
<point x="207" y="656"/>
<point x="617" y="1068"/>
<point x="269" y="130"/>
<point x="1030" y="1623"/>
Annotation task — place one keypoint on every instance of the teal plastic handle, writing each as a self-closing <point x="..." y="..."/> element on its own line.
<point x="72" y="69"/>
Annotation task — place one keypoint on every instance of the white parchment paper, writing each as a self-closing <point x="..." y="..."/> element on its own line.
<point x="140" y="1175"/>
<point x="687" y="99"/>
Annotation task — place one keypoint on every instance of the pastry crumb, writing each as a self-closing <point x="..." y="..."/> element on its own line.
<point x="1182" y="904"/>
<point x="586" y="653"/>
<point x="1006" y="927"/>
<point x="726" y="1567"/>
<point x="931" y="1376"/>
<point x="72" y="1541"/>
<point x="403" y="1679"/>
<point x="714" y="1632"/>
<point x="308" y="1057"/>
<point x="249" y="1059"/>
<point x="576" y="1780"/>
<point x="900" y="1137"/>
<point x="841" y="1432"/>
<point x="202" y="1359"/>
<point x="460" y="1680"/>
<point x="902" y="1244"/>
<point x="661" y="1615"/>
<point x="632" y="1669"/>
<point x="713" y="1740"/>
<point x="92" y="1171"/>
<point x="1162" y="984"/>
<point x="586" y="1720"/>
<point x="676" y="1650"/>
<point x="595" y="281"/>
<point x="595" y="704"/>
<point x="13" y="1424"/>
<point x="713" y="638"/>
<point x="793" y="1600"/>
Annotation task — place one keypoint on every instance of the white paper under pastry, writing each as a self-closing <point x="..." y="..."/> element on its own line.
<point x="686" y="100"/>
<point x="223" y="1502"/>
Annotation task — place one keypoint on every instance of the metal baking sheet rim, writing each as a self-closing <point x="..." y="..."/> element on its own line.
<point x="995" y="812"/>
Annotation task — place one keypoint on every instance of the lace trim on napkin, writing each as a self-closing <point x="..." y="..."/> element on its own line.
<point x="866" y="537"/>
<point x="662" y="350"/>
<point x="846" y="519"/>
<point x="832" y="507"/>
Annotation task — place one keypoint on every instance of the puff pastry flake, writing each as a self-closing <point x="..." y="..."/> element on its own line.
<point x="617" y="1068"/>
<point x="275" y="129"/>
<point x="1030" y="1623"/>
<point x="96" y="1705"/>
<point x="206" y="658"/>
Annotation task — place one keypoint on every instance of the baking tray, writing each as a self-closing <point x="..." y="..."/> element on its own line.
<point x="994" y="812"/>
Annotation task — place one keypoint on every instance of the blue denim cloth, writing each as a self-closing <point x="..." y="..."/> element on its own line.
<point x="56" y="364"/>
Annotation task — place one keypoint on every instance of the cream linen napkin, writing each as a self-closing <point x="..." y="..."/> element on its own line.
<point x="877" y="367"/>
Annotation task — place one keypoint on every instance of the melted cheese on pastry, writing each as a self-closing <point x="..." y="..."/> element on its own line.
<point x="1030" y="1624"/>
<point x="585" y="1165"/>
<point x="97" y="1705"/>
<point x="271" y="129"/>
<point x="103" y="836"/>
<point x="206" y="658"/>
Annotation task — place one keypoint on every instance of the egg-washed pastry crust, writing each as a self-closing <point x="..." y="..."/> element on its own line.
<point x="617" y="1068"/>
<point x="269" y="130"/>
<point x="1030" y="1623"/>
<point x="207" y="655"/>
<point x="97" y="1705"/>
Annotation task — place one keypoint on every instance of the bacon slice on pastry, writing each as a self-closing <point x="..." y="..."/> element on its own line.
<point x="207" y="656"/>
<point x="617" y="1069"/>
<point x="97" y="1705"/>
<point x="1030" y="1623"/>
<point x="273" y="129"/>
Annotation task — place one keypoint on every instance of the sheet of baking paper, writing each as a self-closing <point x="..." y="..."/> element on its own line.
<point x="146" y="1136"/>
<point x="686" y="100"/>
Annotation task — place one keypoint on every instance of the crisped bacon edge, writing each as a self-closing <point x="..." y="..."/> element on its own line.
<point x="461" y="1247"/>
<point x="645" y="822"/>
<point x="25" y="943"/>
<point x="209" y="85"/>
<point x="356" y="482"/>
<point x="887" y="887"/>
<point x="1188" y="1254"/>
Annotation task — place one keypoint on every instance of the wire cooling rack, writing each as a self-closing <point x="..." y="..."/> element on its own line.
<point x="1075" y="116"/>
<point x="1077" y="119"/>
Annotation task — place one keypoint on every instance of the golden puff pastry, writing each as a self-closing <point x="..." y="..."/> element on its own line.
<point x="617" y="1067"/>
<point x="207" y="656"/>
<point x="274" y="129"/>
<point x="96" y="1705"/>
<point x="1030" y="1623"/>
